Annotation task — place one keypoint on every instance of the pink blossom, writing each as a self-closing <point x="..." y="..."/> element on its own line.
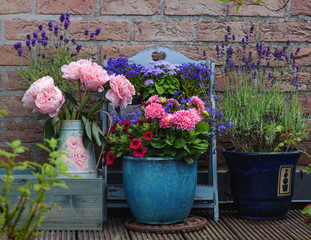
<point x="73" y="70"/>
<point x="184" y="120"/>
<point x="80" y="158"/>
<point x="153" y="99"/>
<point x="74" y="142"/>
<point x="31" y="94"/>
<point x="121" y="92"/>
<point x="85" y="62"/>
<point x="197" y="103"/>
<point x="166" y="120"/>
<point x="154" y="110"/>
<point x="139" y="152"/>
<point x="196" y="114"/>
<point x="50" y="100"/>
<point x="93" y="77"/>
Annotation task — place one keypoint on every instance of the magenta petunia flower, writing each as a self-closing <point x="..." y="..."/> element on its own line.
<point x="109" y="158"/>
<point x="148" y="135"/>
<point x="154" y="110"/>
<point x="140" y="152"/>
<point x="184" y="120"/>
<point x="135" y="144"/>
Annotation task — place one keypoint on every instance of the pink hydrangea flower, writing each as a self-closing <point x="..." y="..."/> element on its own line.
<point x="73" y="70"/>
<point x="154" y="110"/>
<point x="197" y="103"/>
<point x="153" y="99"/>
<point x="31" y="94"/>
<point x="121" y="92"/>
<point x="196" y="114"/>
<point x="93" y="77"/>
<point x="50" y="100"/>
<point x="184" y="120"/>
<point x="166" y="120"/>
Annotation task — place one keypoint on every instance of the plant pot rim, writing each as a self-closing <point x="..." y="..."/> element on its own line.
<point x="262" y="153"/>
<point x="149" y="158"/>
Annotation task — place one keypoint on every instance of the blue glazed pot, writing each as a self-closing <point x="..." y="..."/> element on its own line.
<point x="159" y="190"/>
<point x="262" y="184"/>
<point x="79" y="160"/>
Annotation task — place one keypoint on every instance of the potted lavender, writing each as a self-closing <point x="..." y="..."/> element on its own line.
<point x="267" y="119"/>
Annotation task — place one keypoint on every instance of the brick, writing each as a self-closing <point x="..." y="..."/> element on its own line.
<point x="14" y="107"/>
<point x="25" y="131"/>
<point x="72" y="6"/>
<point x="130" y="7"/>
<point x="120" y="51"/>
<point x="14" y="82"/>
<point x="304" y="57"/>
<point x="173" y="31"/>
<point x="0" y="82"/>
<point x="26" y="156"/>
<point x="110" y="30"/>
<point x="301" y="7"/>
<point x="10" y="57"/>
<point x="306" y="103"/>
<point x="15" y="6"/>
<point x="215" y="31"/>
<point x="18" y="29"/>
<point x="196" y="7"/>
<point x="253" y="10"/>
<point x="196" y="52"/>
<point x="283" y="31"/>
<point x="43" y="156"/>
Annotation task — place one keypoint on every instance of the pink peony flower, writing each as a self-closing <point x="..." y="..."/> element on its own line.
<point x="74" y="142"/>
<point x="85" y="62"/>
<point x="31" y="94"/>
<point x="196" y="114"/>
<point x="121" y="91"/>
<point x="166" y="121"/>
<point x="184" y="120"/>
<point x="50" y="100"/>
<point x="93" y="76"/>
<point x="153" y="99"/>
<point x="80" y="158"/>
<point x="140" y="152"/>
<point x="197" y="103"/>
<point x="73" y="70"/>
<point x="154" y="110"/>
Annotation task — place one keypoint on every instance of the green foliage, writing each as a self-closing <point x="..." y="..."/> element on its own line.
<point x="20" y="221"/>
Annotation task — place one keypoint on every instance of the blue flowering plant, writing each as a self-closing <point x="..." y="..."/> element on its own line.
<point x="260" y="98"/>
<point x="132" y="71"/>
<point x="48" y="49"/>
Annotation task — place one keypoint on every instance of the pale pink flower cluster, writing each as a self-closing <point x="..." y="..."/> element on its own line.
<point x="154" y="110"/>
<point x="91" y="75"/>
<point x="121" y="92"/>
<point x="197" y="103"/>
<point x="44" y="96"/>
<point x="166" y="120"/>
<point x="184" y="120"/>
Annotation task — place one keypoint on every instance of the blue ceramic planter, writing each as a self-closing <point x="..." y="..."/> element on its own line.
<point x="262" y="184"/>
<point x="159" y="190"/>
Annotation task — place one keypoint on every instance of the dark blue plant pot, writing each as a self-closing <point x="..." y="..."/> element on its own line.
<point x="262" y="184"/>
<point x="159" y="190"/>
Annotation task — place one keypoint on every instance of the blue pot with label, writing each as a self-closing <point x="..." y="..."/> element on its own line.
<point x="262" y="184"/>
<point x="159" y="190"/>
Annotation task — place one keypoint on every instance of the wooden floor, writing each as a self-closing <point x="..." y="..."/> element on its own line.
<point x="230" y="227"/>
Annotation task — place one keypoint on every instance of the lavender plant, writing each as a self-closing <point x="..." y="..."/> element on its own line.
<point x="261" y="95"/>
<point x="48" y="49"/>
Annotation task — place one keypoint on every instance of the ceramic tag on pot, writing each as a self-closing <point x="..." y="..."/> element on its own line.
<point x="285" y="180"/>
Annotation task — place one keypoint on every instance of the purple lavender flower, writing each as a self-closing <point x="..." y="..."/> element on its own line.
<point x="20" y="51"/>
<point x="73" y="41"/>
<point x="148" y="82"/>
<point x="97" y="31"/>
<point x="56" y="28"/>
<point x="43" y="55"/>
<point x="66" y="40"/>
<point x="92" y="34"/>
<point x="28" y="36"/>
<point x="67" y="16"/>
<point x="61" y="37"/>
<point x="50" y="25"/>
<point x="66" y="24"/>
<point x="40" y="26"/>
<point x="86" y="32"/>
<point x="78" y="48"/>
<point x="62" y="17"/>
<point x="17" y="45"/>
<point x="43" y="34"/>
<point x="28" y="42"/>
<point x="35" y="34"/>
<point x="33" y="42"/>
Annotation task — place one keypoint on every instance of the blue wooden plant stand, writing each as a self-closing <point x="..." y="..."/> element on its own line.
<point x="206" y="194"/>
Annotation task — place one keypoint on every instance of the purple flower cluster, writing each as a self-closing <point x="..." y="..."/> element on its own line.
<point x="160" y="67"/>
<point x="122" y="66"/>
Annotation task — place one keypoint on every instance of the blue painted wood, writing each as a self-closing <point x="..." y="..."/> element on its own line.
<point x="144" y="57"/>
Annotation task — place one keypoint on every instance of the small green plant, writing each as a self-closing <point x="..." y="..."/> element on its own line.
<point x="20" y="221"/>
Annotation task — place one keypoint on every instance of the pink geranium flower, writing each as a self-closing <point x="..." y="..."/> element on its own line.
<point x="197" y="103"/>
<point x="49" y="100"/>
<point x="31" y="94"/>
<point x="93" y="77"/>
<point x="184" y="120"/>
<point x="154" y="110"/>
<point x="121" y="92"/>
<point x="166" y="121"/>
<point x="140" y="152"/>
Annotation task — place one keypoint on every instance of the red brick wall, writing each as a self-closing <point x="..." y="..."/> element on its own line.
<point x="189" y="26"/>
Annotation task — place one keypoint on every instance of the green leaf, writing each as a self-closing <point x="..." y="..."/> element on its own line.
<point x="60" y="185"/>
<point x="179" y="143"/>
<point x="95" y="133"/>
<point x="159" y="89"/>
<point x="48" y="129"/>
<point x="71" y="99"/>
<point x="67" y="113"/>
<point x="189" y="160"/>
<point x="157" y="144"/>
<point x="84" y="101"/>
<point x="95" y="108"/>
<point x="44" y="147"/>
<point x="87" y="127"/>
<point x="7" y="178"/>
<point x="203" y="126"/>
<point x="73" y="114"/>
<point x="42" y="116"/>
